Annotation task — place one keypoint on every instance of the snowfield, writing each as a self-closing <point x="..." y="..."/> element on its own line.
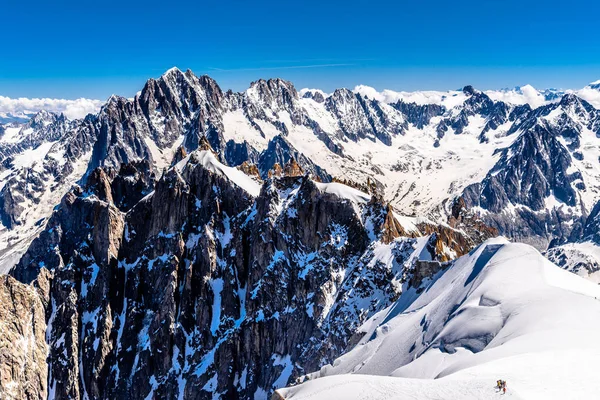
<point x="501" y="312"/>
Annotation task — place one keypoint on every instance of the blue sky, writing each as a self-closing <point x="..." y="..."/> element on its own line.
<point x="73" y="49"/>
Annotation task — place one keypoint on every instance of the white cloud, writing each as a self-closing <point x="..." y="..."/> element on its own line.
<point x="524" y="95"/>
<point x="71" y="108"/>
<point x="590" y="95"/>
<point x="369" y="92"/>
<point x="448" y="99"/>
<point x="385" y="96"/>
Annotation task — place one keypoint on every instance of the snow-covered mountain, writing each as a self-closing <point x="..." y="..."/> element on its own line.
<point x="196" y="243"/>
<point x="421" y="150"/>
<point x="501" y="312"/>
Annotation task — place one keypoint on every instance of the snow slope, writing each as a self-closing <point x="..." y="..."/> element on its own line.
<point x="416" y="174"/>
<point x="208" y="160"/>
<point x="503" y="311"/>
<point x="13" y="243"/>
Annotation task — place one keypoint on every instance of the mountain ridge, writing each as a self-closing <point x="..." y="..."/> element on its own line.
<point x="271" y="123"/>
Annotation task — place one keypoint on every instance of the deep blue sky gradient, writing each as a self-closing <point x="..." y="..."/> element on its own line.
<point x="85" y="48"/>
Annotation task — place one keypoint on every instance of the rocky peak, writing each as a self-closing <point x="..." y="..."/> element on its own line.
<point x="569" y="99"/>
<point x="98" y="184"/>
<point x="205" y="145"/>
<point x="213" y="91"/>
<point x="172" y="72"/>
<point x="42" y="118"/>
<point x="250" y="170"/>
<point x="276" y="171"/>
<point x="540" y="160"/>
<point x="361" y="118"/>
<point x="578" y="107"/>
<point x="342" y="97"/>
<point x="280" y="151"/>
<point x="419" y="115"/>
<point x="275" y="94"/>
<point x="478" y="103"/>
<point x="179" y="155"/>
<point x="315" y="95"/>
<point x="292" y="168"/>
<point x="180" y="96"/>
<point x="391" y="228"/>
<point x="113" y="105"/>
<point x="274" y="88"/>
<point x="469" y="90"/>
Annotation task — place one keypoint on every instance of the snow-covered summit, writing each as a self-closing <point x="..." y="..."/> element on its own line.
<point x="208" y="160"/>
<point x="595" y="84"/>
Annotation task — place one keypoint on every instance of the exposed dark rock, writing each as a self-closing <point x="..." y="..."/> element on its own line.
<point x="199" y="282"/>
<point x="23" y="368"/>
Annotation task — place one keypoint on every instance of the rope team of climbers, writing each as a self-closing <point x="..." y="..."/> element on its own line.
<point x="501" y="385"/>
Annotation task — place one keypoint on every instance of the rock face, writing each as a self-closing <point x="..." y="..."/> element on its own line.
<point x="23" y="368"/>
<point x="207" y="284"/>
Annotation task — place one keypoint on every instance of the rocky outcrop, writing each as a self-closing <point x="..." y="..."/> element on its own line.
<point x="464" y="231"/>
<point x="419" y="115"/>
<point x="391" y="228"/>
<point x="280" y="151"/>
<point x="250" y="170"/>
<point x="470" y="223"/>
<point x="23" y="349"/>
<point x="292" y="168"/>
<point x="423" y="270"/>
